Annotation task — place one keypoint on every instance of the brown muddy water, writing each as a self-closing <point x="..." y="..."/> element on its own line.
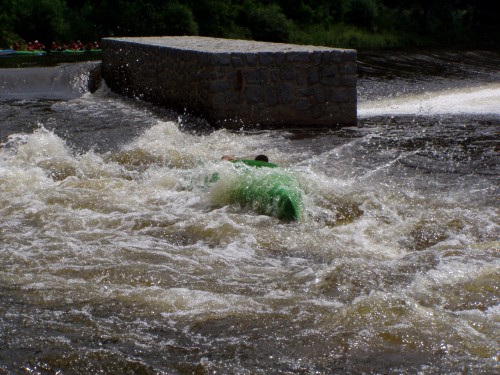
<point x="116" y="257"/>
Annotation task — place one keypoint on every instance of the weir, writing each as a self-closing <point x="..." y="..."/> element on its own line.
<point x="236" y="82"/>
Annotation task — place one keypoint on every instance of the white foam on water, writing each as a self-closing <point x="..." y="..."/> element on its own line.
<point x="140" y="225"/>
<point x="479" y="100"/>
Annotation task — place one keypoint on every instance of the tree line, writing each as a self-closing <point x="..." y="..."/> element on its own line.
<point x="340" y="23"/>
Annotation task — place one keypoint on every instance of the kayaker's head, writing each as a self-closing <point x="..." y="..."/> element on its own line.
<point x="262" y="158"/>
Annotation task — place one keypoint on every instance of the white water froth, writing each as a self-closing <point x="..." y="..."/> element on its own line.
<point x="140" y="226"/>
<point x="479" y="100"/>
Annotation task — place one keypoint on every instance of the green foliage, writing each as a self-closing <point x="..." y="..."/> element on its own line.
<point x="42" y="19"/>
<point x="33" y="19"/>
<point x="362" y="13"/>
<point x="298" y="11"/>
<point x="7" y="21"/>
<point x="268" y="23"/>
<point x="340" y="23"/>
<point x="171" y="19"/>
<point x="81" y="19"/>
<point x="343" y="35"/>
<point x="138" y="17"/>
<point x="214" y="17"/>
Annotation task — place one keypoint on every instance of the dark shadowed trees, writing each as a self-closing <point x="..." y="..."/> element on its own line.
<point x="354" y="23"/>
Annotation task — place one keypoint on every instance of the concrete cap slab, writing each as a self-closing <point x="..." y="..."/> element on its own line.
<point x="216" y="45"/>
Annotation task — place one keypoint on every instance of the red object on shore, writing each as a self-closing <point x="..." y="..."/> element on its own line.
<point x="35" y="46"/>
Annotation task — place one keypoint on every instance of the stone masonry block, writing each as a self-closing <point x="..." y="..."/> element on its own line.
<point x="297" y="57"/>
<point x="285" y="93"/>
<point x="254" y="94"/>
<point x="316" y="58"/>
<point x="319" y="93"/>
<point x="303" y="104"/>
<point x="348" y="80"/>
<point x="237" y="61"/>
<point x="219" y="86"/>
<point x="265" y="58"/>
<point x="340" y="95"/>
<point x="236" y="81"/>
<point x="329" y="71"/>
<point x="275" y="75"/>
<point x="258" y="75"/>
<point x="219" y="101"/>
<point x="304" y="92"/>
<point x="271" y="95"/>
<point x="287" y="73"/>
<point x="279" y="58"/>
<point x="251" y="59"/>
<point x="349" y="56"/>
<point x="348" y="68"/>
<point x="313" y="76"/>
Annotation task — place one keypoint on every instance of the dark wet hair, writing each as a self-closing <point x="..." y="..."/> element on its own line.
<point x="262" y="158"/>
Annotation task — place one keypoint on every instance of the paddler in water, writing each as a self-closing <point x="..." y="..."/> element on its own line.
<point x="258" y="158"/>
<point x="259" y="161"/>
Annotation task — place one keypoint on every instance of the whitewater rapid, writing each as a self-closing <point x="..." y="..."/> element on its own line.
<point x="116" y="256"/>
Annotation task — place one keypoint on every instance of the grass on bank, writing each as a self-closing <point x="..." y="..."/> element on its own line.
<point x="345" y="36"/>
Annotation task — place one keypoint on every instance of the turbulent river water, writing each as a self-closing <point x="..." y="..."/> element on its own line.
<point x="116" y="257"/>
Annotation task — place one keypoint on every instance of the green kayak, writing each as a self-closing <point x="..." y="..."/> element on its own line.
<point x="268" y="191"/>
<point x="75" y="51"/>
<point x="30" y="53"/>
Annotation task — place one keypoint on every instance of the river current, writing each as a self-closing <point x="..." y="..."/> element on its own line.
<point x="117" y="257"/>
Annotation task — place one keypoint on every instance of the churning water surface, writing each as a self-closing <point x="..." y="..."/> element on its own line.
<point x="117" y="257"/>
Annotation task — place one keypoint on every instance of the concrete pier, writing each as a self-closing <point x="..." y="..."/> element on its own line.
<point x="236" y="82"/>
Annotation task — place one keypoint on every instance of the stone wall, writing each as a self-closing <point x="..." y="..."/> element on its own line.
<point x="236" y="82"/>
